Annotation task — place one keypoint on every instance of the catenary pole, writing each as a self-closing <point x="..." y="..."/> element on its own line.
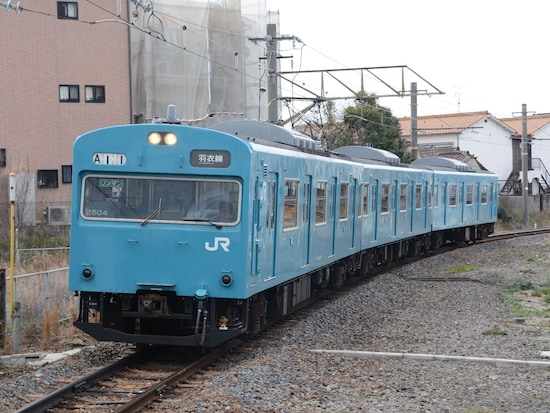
<point x="414" y="121"/>
<point x="524" y="164"/>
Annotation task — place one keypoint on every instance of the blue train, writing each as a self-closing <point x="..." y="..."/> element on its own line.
<point x="193" y="236"/>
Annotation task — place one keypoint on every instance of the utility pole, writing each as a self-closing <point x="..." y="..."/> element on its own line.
<point x="272" y="55"/>
<point x="414" y="121"/>
<point x="272" y="81"/>
<point x="524" y="164"/>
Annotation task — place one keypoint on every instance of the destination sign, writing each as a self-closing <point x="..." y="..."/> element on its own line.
<point x="209" y="158"/>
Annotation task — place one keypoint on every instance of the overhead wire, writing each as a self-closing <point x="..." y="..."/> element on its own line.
<point x="159" y="35"/>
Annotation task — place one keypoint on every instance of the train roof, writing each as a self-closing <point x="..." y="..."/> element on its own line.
<point x="266" y="133"/>
<point x="438" y="163"/>
<point x="366" y="154"/>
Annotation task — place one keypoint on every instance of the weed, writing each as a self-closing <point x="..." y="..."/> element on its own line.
<point x="519" y="286"/>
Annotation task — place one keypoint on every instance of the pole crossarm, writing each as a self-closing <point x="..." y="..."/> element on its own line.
<point x="357" y="78"/>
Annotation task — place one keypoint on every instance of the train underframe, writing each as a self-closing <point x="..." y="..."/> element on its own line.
<point x="162" y="318"/>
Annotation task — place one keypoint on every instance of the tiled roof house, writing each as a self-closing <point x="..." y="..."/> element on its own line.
<point x="478" y="134"/>
<point x="538" y="136"/>
<point x="494" y="143"/>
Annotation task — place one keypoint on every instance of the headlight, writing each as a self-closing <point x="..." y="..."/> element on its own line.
<point x="154" y="138"/>
<point x="162" y="138"/>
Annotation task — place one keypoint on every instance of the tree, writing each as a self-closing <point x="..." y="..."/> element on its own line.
<point x="373" y="125"/>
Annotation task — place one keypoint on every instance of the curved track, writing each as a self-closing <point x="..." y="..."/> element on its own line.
<point x="131" y="383"/>
<point x="128" y="384"/>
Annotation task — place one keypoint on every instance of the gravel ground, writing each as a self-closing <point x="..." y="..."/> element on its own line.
<point x="392" y="313"/>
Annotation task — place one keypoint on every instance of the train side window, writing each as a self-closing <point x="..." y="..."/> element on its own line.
<point x="403" y="197"/>
<point x="291" y="204"/>
<point x="435" y="196"/>
<point x="321" y="203"/>
<point x="307" y="199"/>
<point x="418" y="203"/>
<point x="271" y="196"/>
<point x="344" y="198"/>
<point x="385" y="199"/>
<point x="363" y="206"/>
<point x="365" y="197"/>
<point x="469" y="194"/>
<point x="484" y="194"/>
<point x="452" y="195"/>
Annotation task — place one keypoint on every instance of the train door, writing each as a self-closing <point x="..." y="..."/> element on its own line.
<point x="476" y="201"/>
<point x="375" y="209"/>
<point x="265" y="230"/>
<point x="462" y="201"/>
<point x="427" y="204"/>
<point x="305" y="234"/>
<point x="332" y="214"/>
<point x="445" y="202"/>
<point x="394" y="206"/>
<point x="354" y="197"/>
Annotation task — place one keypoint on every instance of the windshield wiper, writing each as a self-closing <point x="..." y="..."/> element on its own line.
<point x="152" y="214"/>
<point x="207" y="220"/>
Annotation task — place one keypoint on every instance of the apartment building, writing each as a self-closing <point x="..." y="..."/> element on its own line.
<point x="65" y="70"/>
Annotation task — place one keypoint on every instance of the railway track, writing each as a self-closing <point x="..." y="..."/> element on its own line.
<point x="135" y="381"/>
<point x="498" y="236"/>
<point x="128" y="384"/>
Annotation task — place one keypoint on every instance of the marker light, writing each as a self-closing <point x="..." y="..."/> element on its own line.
<point x="87" y="273"/>
<point x="162" y="138"/>
<point x="226" y="280"/>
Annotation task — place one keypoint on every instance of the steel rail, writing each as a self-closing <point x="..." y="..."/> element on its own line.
<point x="53" y="399"/>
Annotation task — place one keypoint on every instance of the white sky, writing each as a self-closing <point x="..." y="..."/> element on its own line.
<point x="486" y="54"/>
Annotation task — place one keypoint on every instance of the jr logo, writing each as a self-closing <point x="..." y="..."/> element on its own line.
<point x="222" y="242"/>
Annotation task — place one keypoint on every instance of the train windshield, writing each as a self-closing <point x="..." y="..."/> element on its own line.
<point x="154" y="199"/>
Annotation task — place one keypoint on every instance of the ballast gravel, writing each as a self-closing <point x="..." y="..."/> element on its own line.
<point x="457" y="306"/>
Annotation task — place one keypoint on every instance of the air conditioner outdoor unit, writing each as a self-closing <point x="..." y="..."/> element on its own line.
<point x="59" y="215"/>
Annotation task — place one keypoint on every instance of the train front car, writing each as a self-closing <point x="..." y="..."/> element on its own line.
<point x="158" y="235"/>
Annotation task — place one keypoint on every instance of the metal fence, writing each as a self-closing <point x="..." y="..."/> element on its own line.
<point x="42" y="290"/>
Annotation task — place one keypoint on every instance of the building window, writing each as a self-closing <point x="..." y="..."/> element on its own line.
<point x="95" y="94"/>
<point x="67" y="10"/>
<point x="47" y="178"/>
<point x="66" y="174"/>
<point x="2" y="157"/>
<point x="69" y="93"/>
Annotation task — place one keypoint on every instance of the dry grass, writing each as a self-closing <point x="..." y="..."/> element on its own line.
<point x="47" y="306"/>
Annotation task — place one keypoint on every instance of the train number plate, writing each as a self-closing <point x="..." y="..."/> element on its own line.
<point x="101" y="158"/>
